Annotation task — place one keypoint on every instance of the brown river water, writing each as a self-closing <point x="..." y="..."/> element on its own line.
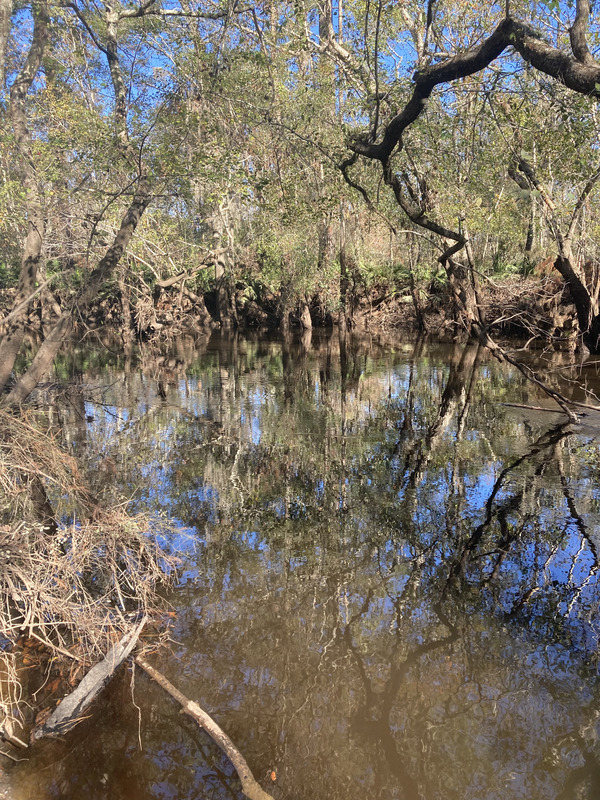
<point x="390" y="586"/>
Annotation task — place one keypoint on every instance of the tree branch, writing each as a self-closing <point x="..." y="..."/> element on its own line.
<point x="580" y="201"/>
<point x="582" y="78"/>
<point x="577" y="33"/>
<point x="78" y="13"/>
<point x="131" y="13"/>
<point x="250" y="786"/>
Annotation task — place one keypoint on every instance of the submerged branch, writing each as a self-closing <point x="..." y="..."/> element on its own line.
<point x="250" y="786"/>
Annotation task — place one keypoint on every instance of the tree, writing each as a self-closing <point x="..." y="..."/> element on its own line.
<point x="572" y="65"/>
<point x="98" y="137"/>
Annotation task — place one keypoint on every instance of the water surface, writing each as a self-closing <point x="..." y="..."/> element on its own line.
<point x="391" y="578"/>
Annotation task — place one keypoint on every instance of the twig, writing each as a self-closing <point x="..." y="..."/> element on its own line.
<point x="55" y="647"/>
<point x="12" y="757"/>
<point x="135" y="705"/>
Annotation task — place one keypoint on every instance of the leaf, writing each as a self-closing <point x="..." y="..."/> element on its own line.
<point x="552" y="5"/>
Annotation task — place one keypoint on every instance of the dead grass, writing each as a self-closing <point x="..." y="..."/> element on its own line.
<point x="79" y="590"/>
<point x="26" y="452"/>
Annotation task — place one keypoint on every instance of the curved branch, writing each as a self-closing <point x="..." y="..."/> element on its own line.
<point x="580" y="202"/>
<point x="415" y="213"/>
<point x="344" y="167"/>
<point x="584" y="78"/>
<point x="581" y="78"/>
<point x="578" y="31"/>
<point x="426" y="80"/>
<point x="79" y="14"/>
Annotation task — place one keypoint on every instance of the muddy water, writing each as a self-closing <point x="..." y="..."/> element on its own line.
<point x="390" y="583"/>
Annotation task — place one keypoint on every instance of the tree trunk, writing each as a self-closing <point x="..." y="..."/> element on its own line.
<point x="530" y="233"/>
<point x="13" y="337"/>
<point x="588" y="316"/>
<point x="304" y="316"/>
<point x="284" y="310"/>
<point x="47" y="352"/>
<point x="344" y="282"/>
<point x="225" y="304"/>
<point x="5" y="15"/>
<point x="414" y="293"/>
<point x="463" y="291"/>
<point x="125" y="292"/>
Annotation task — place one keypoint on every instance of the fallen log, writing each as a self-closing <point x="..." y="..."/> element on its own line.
<point x="250" y="787"/>
<point x="70" y="709"/>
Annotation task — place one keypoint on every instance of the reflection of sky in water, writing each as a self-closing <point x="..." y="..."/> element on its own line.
<point x="290" y="519"/>
<point x="154" y="484"/>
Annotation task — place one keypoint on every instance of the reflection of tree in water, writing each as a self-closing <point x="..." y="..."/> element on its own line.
<point x="397" y="591"/>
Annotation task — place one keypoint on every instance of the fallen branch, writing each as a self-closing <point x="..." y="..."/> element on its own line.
<point x="68" y="712"/>
<point x="250" y="787"/>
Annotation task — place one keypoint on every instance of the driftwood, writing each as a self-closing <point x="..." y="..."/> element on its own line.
<point x="250" y="787"/>
<point x="69" y="711"/>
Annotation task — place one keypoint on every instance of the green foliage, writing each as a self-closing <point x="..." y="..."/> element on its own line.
<point x="270" y="258"/>
<point x="394" y="274"/>
<point x="242" y="126"/>
<point x="9" y="275"/>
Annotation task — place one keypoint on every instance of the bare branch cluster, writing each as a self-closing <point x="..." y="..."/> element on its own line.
<point x="81" y="588"/>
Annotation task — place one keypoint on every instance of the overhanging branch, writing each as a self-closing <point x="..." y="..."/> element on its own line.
<point x="583" y="78"/>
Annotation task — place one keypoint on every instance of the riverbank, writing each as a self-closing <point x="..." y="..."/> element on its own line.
<point x="531" y="307"/>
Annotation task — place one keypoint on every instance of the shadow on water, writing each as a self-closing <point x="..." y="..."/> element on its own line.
<point x="391" y="588"/>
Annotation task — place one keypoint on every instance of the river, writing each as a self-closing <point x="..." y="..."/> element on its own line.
<point x="390" y="576"/>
